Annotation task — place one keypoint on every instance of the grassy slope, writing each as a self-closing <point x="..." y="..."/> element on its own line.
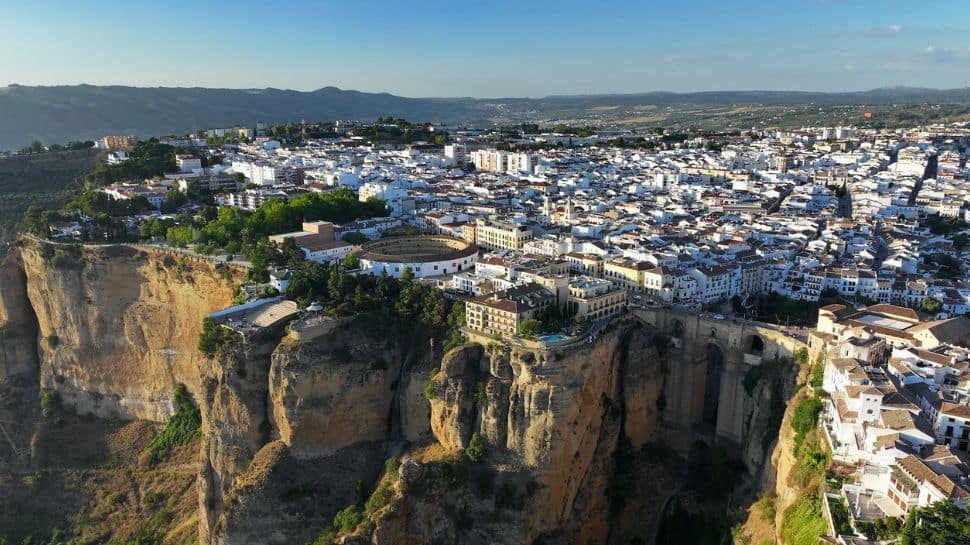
<point x="101" y="488"/>
<point x="45" y="179"/>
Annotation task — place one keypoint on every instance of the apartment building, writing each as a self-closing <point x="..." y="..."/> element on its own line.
<point x="501" y="312"/>
<point x="913" y="483"/>
<point x="626" y="273"/>
<point x="489" y="160"/>
<point x="595" y="298"/>
<point x="493" y="234"/>
<point x="188" y="163"/>
<point x="713" y="283"/>
<point x="585" y="264"/>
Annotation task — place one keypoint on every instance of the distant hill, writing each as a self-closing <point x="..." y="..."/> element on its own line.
<point x="61" y="113"/>
<point x="47" y="179"/>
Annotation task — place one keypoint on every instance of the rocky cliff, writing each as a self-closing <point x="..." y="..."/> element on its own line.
<point x="93" y="341"/>
<point x="551" y="421"/>
<point x="487" y="443"/>
<point x="118" y="326"/>
<point x="19" y="363"/>
<point x="298" y="430"/>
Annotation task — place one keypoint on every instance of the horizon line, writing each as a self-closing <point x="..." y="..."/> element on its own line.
<point x="508" y="97"/>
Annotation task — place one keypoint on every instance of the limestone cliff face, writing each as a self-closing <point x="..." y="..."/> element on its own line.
<point x="296" y="430"/>
<point x="118" y="325"/>
<point x="19" y="367"/>
<point x="767" y="406"/>
<point x="337" y="406"/>
<point x="18" y="333"/>
<point x="235" y="426"/>
<point x="304" y="431"/>
<point x="551" y="421"/>
<point x="783" y="462"/>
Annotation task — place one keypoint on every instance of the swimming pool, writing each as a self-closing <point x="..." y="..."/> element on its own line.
<point x="552" y="338"/>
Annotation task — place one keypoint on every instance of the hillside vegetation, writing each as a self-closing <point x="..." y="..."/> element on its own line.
<point x="46" y="179"/>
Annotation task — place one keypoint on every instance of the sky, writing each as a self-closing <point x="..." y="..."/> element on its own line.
<point x="494" y="48"/>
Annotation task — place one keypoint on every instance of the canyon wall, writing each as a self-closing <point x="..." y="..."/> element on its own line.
<point x="118" y="326"/>
<point x="19" y="364"/>
<point x="571" y="440"/>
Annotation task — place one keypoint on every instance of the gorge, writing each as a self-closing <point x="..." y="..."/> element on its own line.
<point x="368" y="433"/>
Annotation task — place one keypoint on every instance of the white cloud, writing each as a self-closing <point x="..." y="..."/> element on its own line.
<point x="932" y="53"/>
<point x="884" y="30"/>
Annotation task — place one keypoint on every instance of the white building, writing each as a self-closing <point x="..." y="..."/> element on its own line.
<point x="188" y="163"/>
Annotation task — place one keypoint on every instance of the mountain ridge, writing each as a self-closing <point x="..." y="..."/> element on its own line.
<point x="55" y="114"/>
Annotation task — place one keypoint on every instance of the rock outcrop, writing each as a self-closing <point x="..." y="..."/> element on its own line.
<point x="551" y="421"/>
<point x="320" y="418"/>
<point x="295" y="430"/>
<point x="19" y="363"/>
<point x="119" y="325"/>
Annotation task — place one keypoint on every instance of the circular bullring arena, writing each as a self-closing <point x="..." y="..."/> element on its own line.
<point x="425" y="255"/>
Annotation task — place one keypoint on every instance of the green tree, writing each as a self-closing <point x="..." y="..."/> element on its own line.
<point x="293" y="256"/>
<point x="387" y="287"/>
<point x="351" y="261"/>
<point x="333" y="285"/>
<point x="260" y="257"/>
<point x="942" y="523"/>
<point x="184" y="426"/>
<point x="529" y="329"/>
<point x="434" y="309"/>
<point x="182" y="236"/>
<point x="947" y="266"/>
<point x="214" y="338"/>
<point x="960" y="242"/>
<point x="174" y="199"/>
<point x="456" y="321"/>
<point x="360" y="297"/>
<point x="930" y="305"/>
<point x="476" y="448"/>
<point x="354" y="237"/>
<point x="37" y="220"/>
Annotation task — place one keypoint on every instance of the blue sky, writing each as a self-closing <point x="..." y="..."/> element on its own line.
<point x="496" y="48"/>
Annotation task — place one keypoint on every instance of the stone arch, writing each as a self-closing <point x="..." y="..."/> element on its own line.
<point x="754" y="344"/>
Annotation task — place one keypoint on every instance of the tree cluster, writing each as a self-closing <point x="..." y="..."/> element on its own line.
<point x="942" y="523"/>
<point x="399" y="131"/>
<point x="147" y="159"/>
<point x="343" y="293"/>
<point x="236" y="230"/>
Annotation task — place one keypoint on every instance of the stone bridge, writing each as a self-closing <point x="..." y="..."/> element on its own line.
<point x="704" y="393"/>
